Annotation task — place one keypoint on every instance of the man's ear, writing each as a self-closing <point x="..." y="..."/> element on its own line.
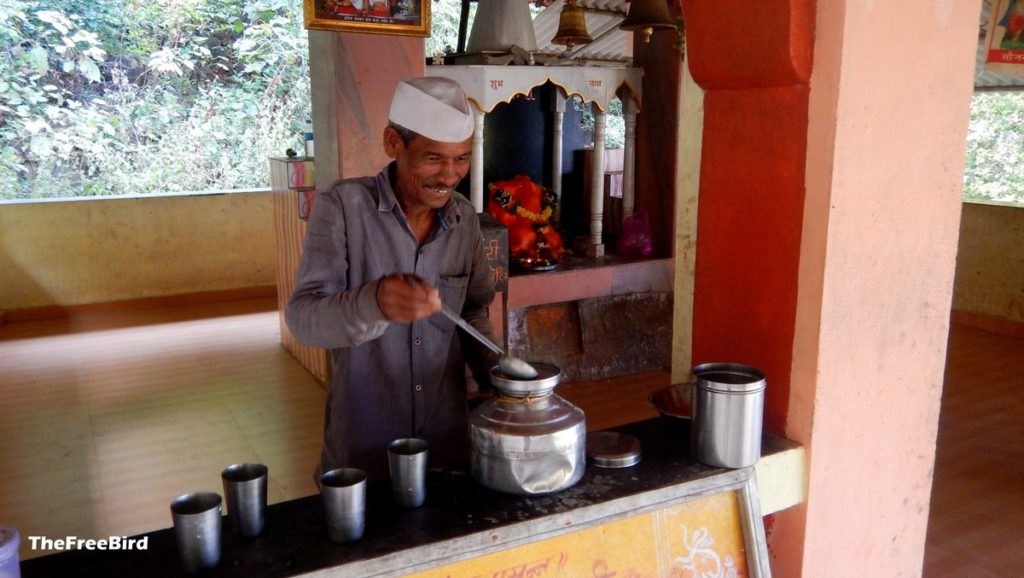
<point x="392" y="140"/>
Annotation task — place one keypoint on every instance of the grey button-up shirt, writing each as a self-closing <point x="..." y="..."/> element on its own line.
<point x="391" y="380"/>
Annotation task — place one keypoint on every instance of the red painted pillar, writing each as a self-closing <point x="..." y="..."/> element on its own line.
<point x="754" y="62"/>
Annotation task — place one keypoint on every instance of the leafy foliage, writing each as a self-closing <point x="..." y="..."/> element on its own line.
<point x="113" y="97"/>
<point x="615" y="124"/>
<point x="995" y="148"/>
<point x="444" y="26"/>
<point x="109" y="97"/>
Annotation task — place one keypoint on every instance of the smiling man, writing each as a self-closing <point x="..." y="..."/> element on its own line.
<point x="381" y="256"/>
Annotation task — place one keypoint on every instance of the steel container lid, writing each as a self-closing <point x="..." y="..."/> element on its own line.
<point x="547" y="378"/>
<point x="612" y="449"/>
<point x="729" y="378"/>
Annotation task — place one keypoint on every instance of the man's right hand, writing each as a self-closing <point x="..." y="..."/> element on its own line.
<point x="406" y="298"/>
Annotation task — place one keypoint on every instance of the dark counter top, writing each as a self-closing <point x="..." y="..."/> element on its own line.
<point x="459" y="520"/>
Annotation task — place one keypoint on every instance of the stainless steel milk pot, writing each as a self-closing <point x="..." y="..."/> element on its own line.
<point x="527" y="440"/>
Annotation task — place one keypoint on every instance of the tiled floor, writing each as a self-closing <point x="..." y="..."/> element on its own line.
<point x="976" y="524"/>
<point x="105" y="422"/>
<point x="108" y="417"/>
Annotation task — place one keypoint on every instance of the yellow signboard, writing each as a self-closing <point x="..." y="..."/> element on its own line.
<point x="701" y="538"/>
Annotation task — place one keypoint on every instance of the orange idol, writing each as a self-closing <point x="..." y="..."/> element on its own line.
<point x="526" y="208"/>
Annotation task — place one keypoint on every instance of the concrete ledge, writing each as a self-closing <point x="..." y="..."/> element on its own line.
<point x="584" y="279"/>
<point x="782" y="479"/>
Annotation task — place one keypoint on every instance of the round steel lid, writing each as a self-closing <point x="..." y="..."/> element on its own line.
<point x="611" y="449"/>
<point x="548" y="376"/>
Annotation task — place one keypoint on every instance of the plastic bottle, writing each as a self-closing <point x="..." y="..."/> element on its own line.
<point x="307" y="136"/>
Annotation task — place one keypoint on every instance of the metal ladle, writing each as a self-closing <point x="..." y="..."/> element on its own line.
<point x="511" y="366"/>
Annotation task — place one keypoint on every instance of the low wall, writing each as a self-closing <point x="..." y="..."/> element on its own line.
<point x="77" y="252"/>
<point x="990" y="264"/>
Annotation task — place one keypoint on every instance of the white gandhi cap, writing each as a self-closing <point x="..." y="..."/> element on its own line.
<point x="434" y="107"/>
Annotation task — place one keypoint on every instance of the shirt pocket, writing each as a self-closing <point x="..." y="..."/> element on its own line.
<point x="453" y="294"/>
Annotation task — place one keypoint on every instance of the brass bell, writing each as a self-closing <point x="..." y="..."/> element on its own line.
<point x="646" y="15"/>
<point x="572" y="26"/>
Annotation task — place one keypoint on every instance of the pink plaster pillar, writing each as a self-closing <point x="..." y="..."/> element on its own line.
<point x="889" y="105"/>
<point x="858" y="171"/>
<point x="353" y="77"/>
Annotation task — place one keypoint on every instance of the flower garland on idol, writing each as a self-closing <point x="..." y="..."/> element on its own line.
<point x="545" y="245"/>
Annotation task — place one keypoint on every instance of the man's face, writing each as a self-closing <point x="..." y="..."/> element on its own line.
<point x="428" y="170"/>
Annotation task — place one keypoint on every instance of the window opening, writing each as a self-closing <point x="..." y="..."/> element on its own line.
<point x="615" y="124"/>
<point x="116" y="97"/>
<point x="994" y="169"/>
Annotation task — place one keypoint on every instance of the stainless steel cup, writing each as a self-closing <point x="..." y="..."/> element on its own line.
<point x="197" y="525"/>
<point x="728" y="408"/>
<point x="344" y="496"/>
<point x="245" y="491"/>
<point x="407" y="462"/>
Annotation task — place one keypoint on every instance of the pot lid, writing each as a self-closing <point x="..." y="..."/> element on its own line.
<point x="611" y="449"/>
<point x="548" y="376"/>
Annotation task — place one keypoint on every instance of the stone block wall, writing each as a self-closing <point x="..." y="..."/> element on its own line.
<point x="596" y="338"/>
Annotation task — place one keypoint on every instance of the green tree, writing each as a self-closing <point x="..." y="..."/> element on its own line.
<point x="51" y="60"/>
<point x="444" y="27"/>
<point x="995" y="148"/>
<point x="124" y="96"/>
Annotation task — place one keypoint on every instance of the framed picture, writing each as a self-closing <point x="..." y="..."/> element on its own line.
<point x="1004" y="38"/>
<point x="401" y="17"/>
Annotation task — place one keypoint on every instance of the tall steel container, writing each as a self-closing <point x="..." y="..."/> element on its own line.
<point x="728" y="409"/>
<point x="528" y="440"/>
